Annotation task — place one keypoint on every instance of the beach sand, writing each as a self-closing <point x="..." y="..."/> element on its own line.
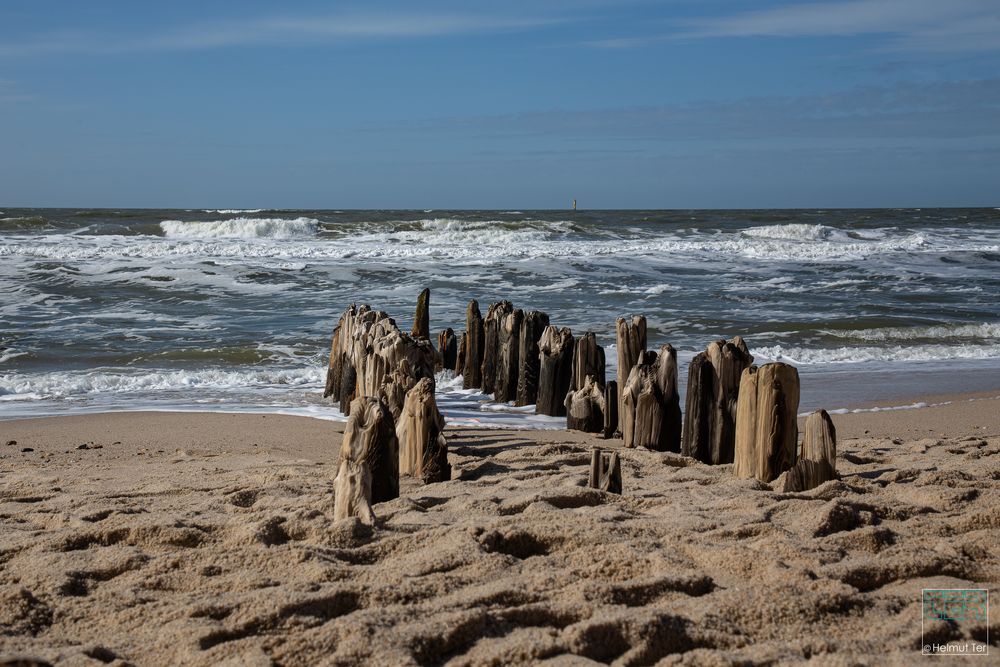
<point x="208" y="539"/>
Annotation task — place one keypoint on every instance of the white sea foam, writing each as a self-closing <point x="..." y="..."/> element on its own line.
<point x="985" y="330"/>
<point x="230" y="211"/>
<point x="66" y="384"/>
<point x="869" y="354"/>
<point x="241" y="228"/>
<point x="447" y="239"/>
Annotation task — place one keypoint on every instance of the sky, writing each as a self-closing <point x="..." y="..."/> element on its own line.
<point x="517" y="104"/>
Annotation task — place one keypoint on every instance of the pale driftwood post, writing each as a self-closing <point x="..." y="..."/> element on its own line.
<point x="510" y="342"/>
<point x="588" y="359"/>
<point x="630" y="339"/>
<point x="423" y="451"/>
<point x="652" y="413"/>
<point x="448" y="348"/>
<point x="819" y="438"/>
<point x="611" y="410"/>
<point x="555" y="371"/>
<point x="766" y="421"/>
<point x="472" y="373"/>
<point x="368" y="470"/>
<point x="585" y="407"/>
<point x="605" y="471"/>
<point x="491" y="343"/>
<point x="712" y="394"/>
<point x="422" y="318"/>
<point x="527" y="376"/>
<point x="818" y="461"/>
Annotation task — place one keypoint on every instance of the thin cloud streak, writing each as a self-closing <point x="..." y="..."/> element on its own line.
<point x="279" y="31"/>
<point x="906" y="25"/>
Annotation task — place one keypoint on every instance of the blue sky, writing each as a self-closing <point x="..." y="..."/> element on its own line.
<point x="628" y="104"/>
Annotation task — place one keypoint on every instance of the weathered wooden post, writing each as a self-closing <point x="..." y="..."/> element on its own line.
<point x="766" y="421"/>
<point x="472" y="375"/>
<point x="712" y="393"/>
<point x="423" y="451"/>
<point x="630" y="340"/>
<point x="491" y="343"/>
<point x="555" y="371"/>
<point x="818" y="461"/>
<point x="510" y="360"/>
<point x="588" y="359"/>
<point x="529" y="362"/>
<point x="605" y="471"/>
<point x="611" y="410"/>
<point x="652" y="414"/>
<point x="585" y="407"/>
<point x="819" y="438"/>
<point x="460" y="354"/>
<point x="422" y="318"/>
<point x="448" y="348"/>
<point x="368" y="471"/>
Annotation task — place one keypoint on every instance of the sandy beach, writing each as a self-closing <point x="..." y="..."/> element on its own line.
<point x="194" y="538"/>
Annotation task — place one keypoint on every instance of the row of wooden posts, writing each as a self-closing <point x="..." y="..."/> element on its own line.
<point x="735" y="412"/>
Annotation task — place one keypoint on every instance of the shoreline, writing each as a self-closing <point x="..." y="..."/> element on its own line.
<point x="972" y="413"/>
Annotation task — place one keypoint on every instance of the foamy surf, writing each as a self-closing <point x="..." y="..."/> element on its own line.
<point x="241" y="228"/>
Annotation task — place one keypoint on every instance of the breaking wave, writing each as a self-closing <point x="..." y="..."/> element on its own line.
<point x="241" y="228"/>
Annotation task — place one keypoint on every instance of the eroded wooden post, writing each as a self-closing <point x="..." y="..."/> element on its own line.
<point x="585" y="408"/>
<point x="630" y="340"/>
<point x="605" y="471"/>
<point x="510" y="342"/>
<point x="491" y="343"/>
<point x="555" y="371"/>
<point x="423" y="451"/>
<point x="712" y="395"/>
<point x="368" y="470"/>
<point x="766" y="421"/>
<point x="422" y="318"/>
<point x="472" y="373"/>
<point x="448" y="348"/>
<point x="528" y="357"/>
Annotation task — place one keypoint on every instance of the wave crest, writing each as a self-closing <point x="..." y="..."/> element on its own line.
<point x="241" y="228"/>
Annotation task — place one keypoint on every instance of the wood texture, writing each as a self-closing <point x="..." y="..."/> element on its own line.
<point x="491" y="343"/>
<point x="448" y="349"/>
<point x="422" y="318"/>
<point x="529" y="362"/>
<point x="819" y="438"/>
<point x="368" y="470"/>
<point x="630" y="340"/>
<point x="651" y="416"/>
<point x="611" y="410"/>
<point x="766" y="421"/>
<point x="460" y="354"/>
<point x="423" y="451"/>
<point x="605" y="471"/>
<point x="588" y="360"/>
<point x="555" y="372"/>
<point x="509" y="362"/>
<point x="585" y="407"/>
<point x="712" y="397"/>
<point x="472" y="371"/>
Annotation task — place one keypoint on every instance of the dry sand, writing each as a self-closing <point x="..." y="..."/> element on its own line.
<point x="207" y="539"/>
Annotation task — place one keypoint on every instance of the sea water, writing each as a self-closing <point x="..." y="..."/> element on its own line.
<point x="232" y="310"/>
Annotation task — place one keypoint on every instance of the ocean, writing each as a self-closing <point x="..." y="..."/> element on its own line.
<point x="232" y="310"/>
